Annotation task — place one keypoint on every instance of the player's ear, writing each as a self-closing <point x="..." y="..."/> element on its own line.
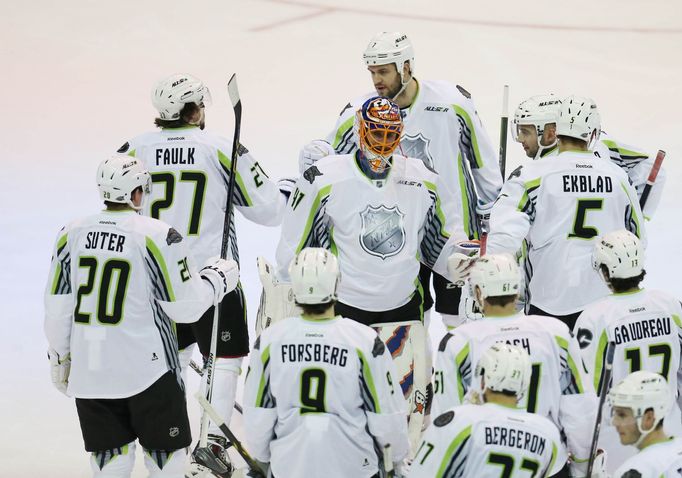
<point x="407" y="69"/>
<point x="648" y="420"/>
<point x="479" y="296"/>
<point x="550" y="131"/>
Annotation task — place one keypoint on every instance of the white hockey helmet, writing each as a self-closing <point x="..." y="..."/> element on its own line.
<point x="641" y="391"/>
<point x="314" y="276"/>
<point x="119" y="176"/>
<point x="538" y="111"/>
<point x="495" y="275"/>
<point x="621" y="252"/>
<point x="171" y="94"/>
<point x="579" y="118"/>
<point x="390" y="47"/>
<point x="505" y="368"/>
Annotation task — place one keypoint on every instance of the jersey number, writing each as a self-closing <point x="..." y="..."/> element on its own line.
<point x="168" y="179"/>
<point x="115" y="275"/>
<point x="313" y="383"/>
<point x="507" y="463"/>
<point x="634" y="356"/>
<point x="580" y="230"/>
<point x="533" y="388"/>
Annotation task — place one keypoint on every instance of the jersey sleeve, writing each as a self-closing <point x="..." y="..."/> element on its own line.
<point x="513" y="213"/>
<point x="59" y="297"/>
<point x="176" y="284"/>
<point x="453" y="372"/>
<point x="477" y="149"/>
<point x="305" y="223"/>
<point x="578" y="402"/>
<point x="259" y="403"/>
<point x="634" y="219"/>
<point x="443" y="453"/>
<point x="341" y="137"/>
<point x="383" y="400"/>
<point x="256" y="196"/>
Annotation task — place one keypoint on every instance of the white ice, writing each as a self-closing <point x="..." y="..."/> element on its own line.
<point x="76" y="77"/>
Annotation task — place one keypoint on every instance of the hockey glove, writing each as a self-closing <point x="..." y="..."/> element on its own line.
<point x="313" y="151"/>
<point x="286" y="186"/>
<point x="578" y="469"/>
<point x="222" y="274"/>
<point x="460" y="263"/>
<point x="61" y="367"/>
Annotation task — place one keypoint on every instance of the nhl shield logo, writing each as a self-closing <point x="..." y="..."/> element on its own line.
<point x="173" y="432"/>
<point x="383" y="231"/>
<point x="417" y="146"/>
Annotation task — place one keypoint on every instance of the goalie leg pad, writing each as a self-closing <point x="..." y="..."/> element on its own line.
<point x="165" y="464"/>
<point x="225" y="378"/>
<point x="276" y="300"/>
<point x="114" y="463"/>
<point x="407" y="343"/>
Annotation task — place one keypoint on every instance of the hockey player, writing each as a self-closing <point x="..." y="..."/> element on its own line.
<point x="116" y="282"/>
<point x="534" y="126"/>
<point x="190" y="168"/>
<point x="640" y="401"/>
<point x="442" y="128"/>
<point x="321" y="391"/>
<point x="558" y="388"/>
<point x="496" y="438"/>
<point x="646" y="326"/>
<point x="559" y="206"/>
<point x="380" y="213"/>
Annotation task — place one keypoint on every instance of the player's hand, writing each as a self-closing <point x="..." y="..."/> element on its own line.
<point x="311" y="152"/>
<point x="222" y="274"/>
<point x="578" y="469"/>
<point x="460" y="263"/>
<point x="483" y="215"/>
<point x="60" y="368"/>
<point x="286" y="186"/>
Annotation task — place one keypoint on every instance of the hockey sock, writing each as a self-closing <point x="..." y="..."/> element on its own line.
<point x="165" y="464"/>
<point x="227" y="372"/>
<point x="114" y="463"/>
<point x="185" y="357"/>
<point x="452" y="321"/>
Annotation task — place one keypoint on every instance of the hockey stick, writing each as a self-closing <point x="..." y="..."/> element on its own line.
<point x="389" y="472"/>
<point x="193" y="365"/>
<point x="233" y="91"/>
<point x="660" y="156"/>
<point x="604" y="380"/>
<point x="504" y="124"/>
<point x="210" y="411"/>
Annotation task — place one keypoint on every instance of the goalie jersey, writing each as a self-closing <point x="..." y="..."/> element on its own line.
<point x="560" y="205"/>
<point x="190" y="170"/>
<point x="443" y="129"/>
<point x="558" y="388"/>
<point x="116" y="281"/>
<point x="322" y="395"/>
<point x="488" y="441"/>
<point x="646" y="327"/>
<point x="379" y="229"/>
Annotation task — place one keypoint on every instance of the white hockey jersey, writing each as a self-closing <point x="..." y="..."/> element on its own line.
<point x="442" y="128"/>
<point x="558" y="389"/>
<point x="190" y="171"/>
<point x="321" y="397"/>
<point x="378" y="229"/>
<point x="646" y="327"/>
<point x="488" y="441"/>
<point x="560" y="205"/>
<point x="116" y="282"/>
<point x="661" y="460"/>
<point x="635" y="162"/>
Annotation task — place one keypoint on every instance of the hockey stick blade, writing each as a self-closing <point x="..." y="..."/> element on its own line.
<point x="217" y="419"/>
<point x="604" y="380"/>
<point x="233" y="90"/>
<point x="660" y="156"/>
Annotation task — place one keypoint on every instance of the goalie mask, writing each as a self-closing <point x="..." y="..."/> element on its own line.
<point x="119" y="176"/>
<point x="378" y="126"/>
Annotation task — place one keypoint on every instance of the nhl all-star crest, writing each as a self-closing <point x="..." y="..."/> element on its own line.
<point x="383" y="231"/>
<point x="417" y="146"/>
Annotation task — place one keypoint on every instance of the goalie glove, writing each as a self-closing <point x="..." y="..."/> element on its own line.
<point x="60" y="368"/>
<point x="460" y="263"/>
<point x="313" y="151"/>
<point x="222" y="274"/>
<point x="276" y="300"/>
